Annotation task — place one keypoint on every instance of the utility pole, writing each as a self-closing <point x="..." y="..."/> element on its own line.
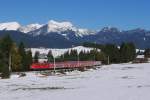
<point x="54" y="65"/>
<point x="108" y="60"/>
<point x="9" y="62"/>
<point x="94" y="60"/>
<point x="63" y="60"/>
<point x="78" y="59"/>
<point x="63" y="57"/>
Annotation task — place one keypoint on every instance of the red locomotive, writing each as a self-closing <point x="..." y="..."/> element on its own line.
<point x="64" y="65"/>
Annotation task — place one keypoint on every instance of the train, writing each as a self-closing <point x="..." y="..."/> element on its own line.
<point x="64" y="65"/>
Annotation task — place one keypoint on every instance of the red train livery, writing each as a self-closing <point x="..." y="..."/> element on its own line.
<point x="63" y="65"/>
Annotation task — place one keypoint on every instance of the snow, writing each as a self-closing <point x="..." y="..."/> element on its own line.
<point x="10" y="26"/>
<point x="140" y="56"/>
<point x="54" y="26"/>
<point x="59" y="52"/>
<point x="51" y="26"/>
<point x="29" y="28"/>
<point x="110" y="82"/>
<point x="139" y="50"/>
<point x="83" y="32"/>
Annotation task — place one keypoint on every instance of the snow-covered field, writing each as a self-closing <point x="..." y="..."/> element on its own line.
<point x="111" y="82"/>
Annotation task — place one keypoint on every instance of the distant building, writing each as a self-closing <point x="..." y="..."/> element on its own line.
<point x="148" y="59"/>
<point x="140" y="59"/>
<point x="147" y="54"/>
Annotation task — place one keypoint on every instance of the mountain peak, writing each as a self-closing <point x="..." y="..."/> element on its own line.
<point x="54" y="26"/>
<point x="10" y="26"/>
<point x="30" y="27"/>
<point x="64" y="28"/>
<point x="110" y="29"/>
<point x="63" y="24"/>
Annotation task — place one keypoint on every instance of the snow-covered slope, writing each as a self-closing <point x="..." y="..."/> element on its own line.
<point x="58" y="52"/>
<point x="54" y="26"/>
<point x="111" y="82"/>
<point x="42" y="29"/>
<point x="59" y="27"/>
<point x="29" y="28"/>
<point x="10" y="26"/>
<point x="63" y="28"/>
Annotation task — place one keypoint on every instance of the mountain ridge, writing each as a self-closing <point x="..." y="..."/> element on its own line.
<point x="52" y="26"/>
<point x="65" y="34"/>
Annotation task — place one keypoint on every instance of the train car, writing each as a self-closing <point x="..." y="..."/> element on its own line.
<point x="64" y="65"/>
<point x="40" y="66"/>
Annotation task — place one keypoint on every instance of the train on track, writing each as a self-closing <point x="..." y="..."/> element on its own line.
<point x="64" y="65"/>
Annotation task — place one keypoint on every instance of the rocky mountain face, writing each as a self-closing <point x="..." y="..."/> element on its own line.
<point x="65" y="34"/>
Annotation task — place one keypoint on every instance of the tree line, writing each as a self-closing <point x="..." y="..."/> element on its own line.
<point x="74" y="55"/>
<point x="108" y="53"/>
<point x="16" y="58"/>
<point x="13" y="57"/>
<point x="124" y="53"/>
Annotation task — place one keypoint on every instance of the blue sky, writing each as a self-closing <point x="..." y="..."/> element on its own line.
<point x="92" y="14"/>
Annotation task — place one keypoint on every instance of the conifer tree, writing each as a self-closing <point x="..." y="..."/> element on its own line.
<point x="15" y="59"/>
<point x="5" y="50"/>
<point x="50" y="56"/>
<point x="127" y="52"/>
<point x="112" y="51"/>
<point x="22" y="52"/>
<point x="29" y="59"/>
<point x="36" y="57"/>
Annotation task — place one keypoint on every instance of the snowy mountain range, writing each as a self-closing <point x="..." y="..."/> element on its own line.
<point x="43" y="29"/>
<point x="10" y="26"/>
<point x="64" y="34"/>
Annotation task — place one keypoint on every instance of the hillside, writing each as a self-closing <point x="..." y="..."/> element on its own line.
<point x="112" y="82"/>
